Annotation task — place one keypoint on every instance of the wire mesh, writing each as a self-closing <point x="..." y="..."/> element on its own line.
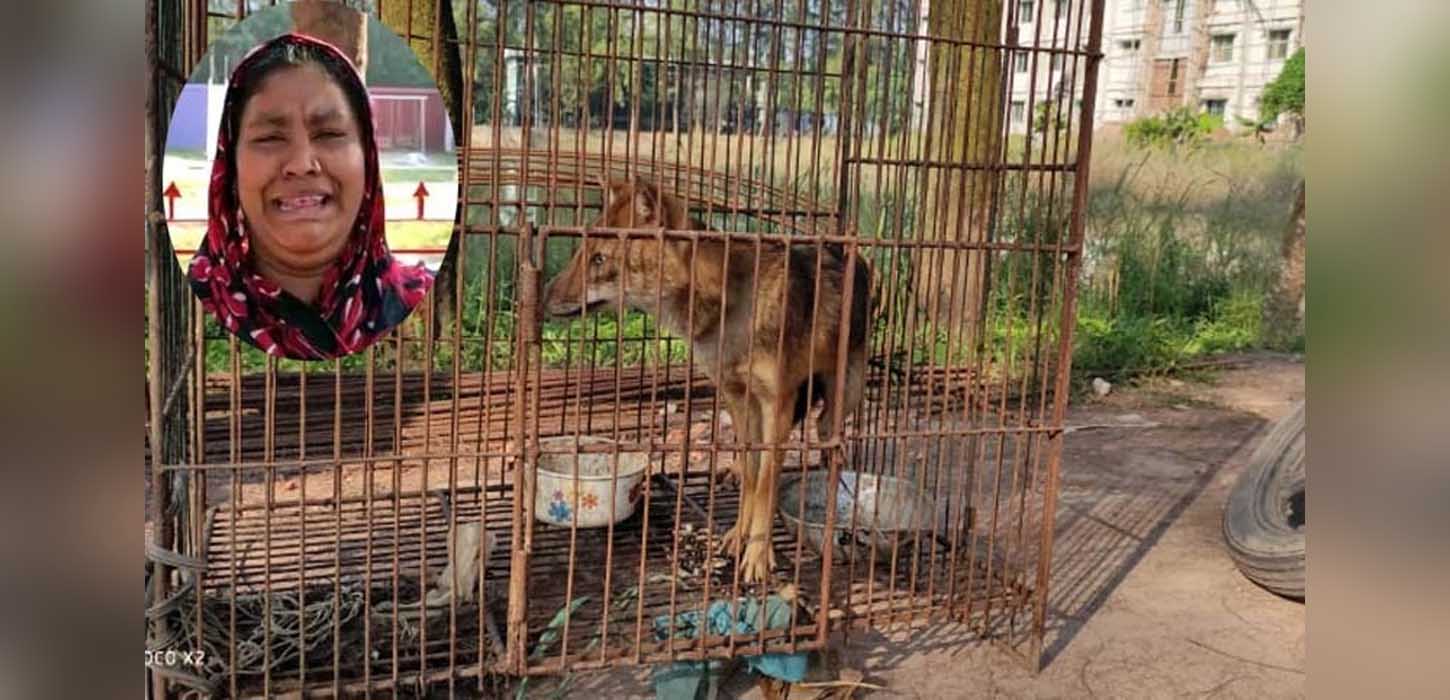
<point x="323" y="500"/>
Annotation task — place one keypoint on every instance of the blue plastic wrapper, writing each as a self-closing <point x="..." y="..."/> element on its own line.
<point x="688" y="680"/>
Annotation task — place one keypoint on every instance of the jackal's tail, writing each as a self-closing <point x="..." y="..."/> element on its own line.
<point x="864" y="303"/>
<point x="866" y="298"/>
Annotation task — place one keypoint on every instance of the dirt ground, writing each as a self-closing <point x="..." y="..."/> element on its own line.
<point x="1145" y="602"/>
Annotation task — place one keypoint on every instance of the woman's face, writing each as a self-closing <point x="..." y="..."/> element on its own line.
<point x="300" y="170"/>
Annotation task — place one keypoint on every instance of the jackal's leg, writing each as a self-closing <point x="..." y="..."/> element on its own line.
<point x="855" y="390"/>
<point x="746" y="421"/>
<point x="740" y="416"/>
<point x="775" y="418"/>
<point x="731" y="474"/>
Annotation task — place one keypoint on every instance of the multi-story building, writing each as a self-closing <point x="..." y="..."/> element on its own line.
<point x="1209" y="55"/>
<point x="1039" y="82"/>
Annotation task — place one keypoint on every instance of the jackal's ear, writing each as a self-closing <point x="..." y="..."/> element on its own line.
<point x="646" y="201"/>
<point x="673" y="212"/>
<point x="606" y="187"/>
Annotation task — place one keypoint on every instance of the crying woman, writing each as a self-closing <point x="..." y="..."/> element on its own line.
<point x="295" y="260"/>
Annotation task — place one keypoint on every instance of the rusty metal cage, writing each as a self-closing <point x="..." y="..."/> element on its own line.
<point x="300" y="512"/>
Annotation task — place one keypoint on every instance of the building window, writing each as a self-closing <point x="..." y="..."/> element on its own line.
<point x="1223" y="48"/>
<point x="1122" y="103"/>
<point x="1173" y="77"/>
<point x="1021" y="62"/>
<point x="1278" y="44"/>
<point x="1130" y="45"/>
<point x="1024" y="11"/>
<point x="1178" y="15"/>
<point x="1056" y="62"/>
<point x="1019" y="112"/>
<point x="1216" y="107"/>
<point x="1061" y="8"/>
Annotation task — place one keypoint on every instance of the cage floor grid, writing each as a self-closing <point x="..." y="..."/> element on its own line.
<point x="322" y="548"/>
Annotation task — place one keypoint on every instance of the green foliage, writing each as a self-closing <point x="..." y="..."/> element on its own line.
<point x="1181" y="254"/>
<point x="1285" y="95"/>
<point x="591" y="342"/>
<point x="660" y="73"/>
<point x="1049" y="116"/>
<point x="1179" y="127"/>
<point x="1256" y="127"/>
<point x="1233" y="323"/>
<point x="1107" y="342"/>
<point x="234" y="39"/>
<point x="219" y="354"/>
<point x="1024" y="279"/>
<point x="390" y="61"/>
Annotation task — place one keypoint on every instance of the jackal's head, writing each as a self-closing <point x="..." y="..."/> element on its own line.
<point x="607" y="270"/>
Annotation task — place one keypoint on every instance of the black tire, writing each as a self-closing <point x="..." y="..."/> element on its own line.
<point x="1265" y="519"/>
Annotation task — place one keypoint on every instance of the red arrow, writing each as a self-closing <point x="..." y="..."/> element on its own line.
<point x="421" y="193"/>
<point x="171" y="194"/>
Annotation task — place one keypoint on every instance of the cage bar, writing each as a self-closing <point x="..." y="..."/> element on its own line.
<point x="316" y="505"/>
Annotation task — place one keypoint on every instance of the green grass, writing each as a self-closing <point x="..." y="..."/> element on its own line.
<point x="186" y="153"/>
<point x="1118" y="343"/>
<point x="419" y="234"/>
<point x="590" y="342"/>
<point x="426" y="174"/>
<point x="1181" y="251"/>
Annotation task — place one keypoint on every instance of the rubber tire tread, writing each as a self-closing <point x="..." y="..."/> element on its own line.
<point x="1256" y="528"/>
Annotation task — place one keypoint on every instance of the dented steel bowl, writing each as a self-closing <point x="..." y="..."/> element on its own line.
<point x="881" y="512"/>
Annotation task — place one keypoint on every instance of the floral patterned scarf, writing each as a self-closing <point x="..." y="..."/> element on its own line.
<point x="363" y="295"/>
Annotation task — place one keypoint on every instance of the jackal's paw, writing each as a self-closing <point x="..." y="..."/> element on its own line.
<point x="758" y="561"/>
<point x="733" y="538"/>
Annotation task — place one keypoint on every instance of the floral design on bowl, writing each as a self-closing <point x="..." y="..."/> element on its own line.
<point x="559" y="511"/>
<point x="584" y="489"/>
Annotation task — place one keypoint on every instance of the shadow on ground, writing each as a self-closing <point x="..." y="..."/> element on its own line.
<point x="1123" y="490"/>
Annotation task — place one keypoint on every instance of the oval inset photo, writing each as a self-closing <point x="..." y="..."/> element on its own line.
<point x="311" y="181"/>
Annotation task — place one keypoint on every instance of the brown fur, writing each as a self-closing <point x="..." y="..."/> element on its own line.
<point x="762" y="375"/>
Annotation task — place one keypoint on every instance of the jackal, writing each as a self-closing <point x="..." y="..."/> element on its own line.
<point x="751" y="331"/>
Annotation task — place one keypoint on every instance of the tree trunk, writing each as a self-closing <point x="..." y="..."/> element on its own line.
<point x="434" y="18"/>
<point x="345" y="28"/>
<point x="1284" y="309"/>
<point x="965" y="95"/>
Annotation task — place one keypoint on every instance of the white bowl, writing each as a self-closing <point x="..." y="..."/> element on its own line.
<point x="562" y="499"/>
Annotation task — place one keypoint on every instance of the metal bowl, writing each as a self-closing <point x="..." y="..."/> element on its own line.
<point x="597" y="493"/>
<point x="883" y="512"/>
